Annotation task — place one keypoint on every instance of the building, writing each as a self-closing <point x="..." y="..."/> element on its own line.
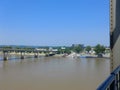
<point x="76" y="45"/>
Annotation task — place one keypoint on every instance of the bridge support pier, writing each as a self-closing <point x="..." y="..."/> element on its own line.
<point x="36" y="55"/>
<point x="5" y="56"/>
<point x="22" y="55"/>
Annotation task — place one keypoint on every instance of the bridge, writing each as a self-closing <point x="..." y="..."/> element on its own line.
<point x="22" y="52"/>
<point x="113" y="81"/>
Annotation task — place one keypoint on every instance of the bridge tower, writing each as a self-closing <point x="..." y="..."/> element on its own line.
<point x="115" y="33"/>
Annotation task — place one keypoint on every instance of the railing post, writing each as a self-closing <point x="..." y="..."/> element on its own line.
<point x="112" y="86"/>
<point x="116" y="81"/>
<point x="119" y="79"/>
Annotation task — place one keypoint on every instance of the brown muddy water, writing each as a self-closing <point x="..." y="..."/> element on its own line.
<point x="53" y="73"/>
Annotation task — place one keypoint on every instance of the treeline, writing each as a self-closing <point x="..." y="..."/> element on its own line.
<point x="65" y="49"/>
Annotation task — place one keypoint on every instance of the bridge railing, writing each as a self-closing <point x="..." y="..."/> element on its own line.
<point x="112" y="82"/>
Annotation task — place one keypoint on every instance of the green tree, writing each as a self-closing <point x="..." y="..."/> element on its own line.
<point x="99" y="49"/>
<point x="68" y="50"/>
<point x="7" y="47"/>
<point x="88" y="48"/>
<point x="60" y="51"/>
<point x="77" y="49"/>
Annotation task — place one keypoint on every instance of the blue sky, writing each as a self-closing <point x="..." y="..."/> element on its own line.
<point x="54" y="22"/>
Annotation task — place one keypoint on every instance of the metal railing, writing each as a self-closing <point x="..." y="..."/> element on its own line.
<point x="112" y="82"/>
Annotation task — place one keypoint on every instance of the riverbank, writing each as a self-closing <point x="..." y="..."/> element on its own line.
<point x="74" y="55"/>
<point x="95" y="56"/>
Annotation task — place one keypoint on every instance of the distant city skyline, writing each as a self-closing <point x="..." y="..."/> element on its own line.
<point x="54" y="22"/>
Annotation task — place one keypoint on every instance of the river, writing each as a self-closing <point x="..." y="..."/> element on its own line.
<point x="53" y="73"/>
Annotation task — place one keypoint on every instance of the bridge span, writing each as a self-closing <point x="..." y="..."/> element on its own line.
<point x="6" y="52"/>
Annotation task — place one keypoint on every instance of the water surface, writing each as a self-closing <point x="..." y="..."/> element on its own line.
<point x="53" y="73"/>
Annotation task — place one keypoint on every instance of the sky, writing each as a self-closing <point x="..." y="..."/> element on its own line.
<point x="54" y="22"/>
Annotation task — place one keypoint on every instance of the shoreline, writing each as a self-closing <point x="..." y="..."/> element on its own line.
<point x="72" y="55"/>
